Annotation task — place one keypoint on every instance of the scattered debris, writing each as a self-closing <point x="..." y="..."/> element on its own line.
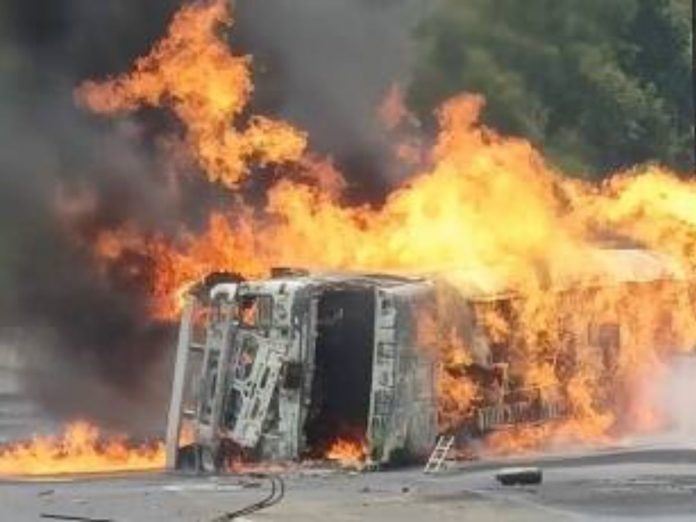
<point x="514" y="476"/>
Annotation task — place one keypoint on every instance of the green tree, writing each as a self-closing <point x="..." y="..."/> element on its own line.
<point x="597" y="84"/>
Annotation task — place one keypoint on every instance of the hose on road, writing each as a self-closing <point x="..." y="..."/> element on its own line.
<point x="275" y="495"/>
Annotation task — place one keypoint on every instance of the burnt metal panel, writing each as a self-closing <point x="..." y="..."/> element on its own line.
<point x="403" y="407"/>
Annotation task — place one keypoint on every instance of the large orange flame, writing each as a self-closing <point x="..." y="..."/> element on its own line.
<point x="192" y="70"/>
<point x="80" y="449"/>
<point x="484" y="209"/>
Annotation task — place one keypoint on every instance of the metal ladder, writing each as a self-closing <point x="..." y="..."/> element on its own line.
<point x="439" y="454"/>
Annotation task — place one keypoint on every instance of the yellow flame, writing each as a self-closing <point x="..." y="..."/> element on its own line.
<point x="79" y="449"/>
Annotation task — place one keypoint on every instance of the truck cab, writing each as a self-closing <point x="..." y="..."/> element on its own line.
<point x="279" y="369"/>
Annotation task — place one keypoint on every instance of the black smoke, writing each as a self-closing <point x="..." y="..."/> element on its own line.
<point x="88" y="339"/>
<point x="327" y="65"/>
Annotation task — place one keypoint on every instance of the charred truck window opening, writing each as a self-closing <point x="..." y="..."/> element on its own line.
<point x="343" y="368"/>
<point x="255" y="311"/>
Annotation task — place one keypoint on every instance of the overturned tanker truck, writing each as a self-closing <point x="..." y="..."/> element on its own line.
<point x="282" y="367"/>
<point x="279" y="369"/>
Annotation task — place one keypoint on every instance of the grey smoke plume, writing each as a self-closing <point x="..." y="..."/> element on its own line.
<point x="673" y="394"/>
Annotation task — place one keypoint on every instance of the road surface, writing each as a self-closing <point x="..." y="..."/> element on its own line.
<point x="652" y="484"/>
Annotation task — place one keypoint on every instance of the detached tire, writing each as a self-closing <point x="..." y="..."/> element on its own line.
<point x="521" y="476"/>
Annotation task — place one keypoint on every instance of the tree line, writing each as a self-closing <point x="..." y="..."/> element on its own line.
<point x="598" y="85"/>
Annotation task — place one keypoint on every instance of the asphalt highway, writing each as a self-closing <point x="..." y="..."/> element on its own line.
<point x="651" y="484"/>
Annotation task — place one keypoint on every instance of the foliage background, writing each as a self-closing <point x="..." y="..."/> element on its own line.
<point x="599" y="85"/>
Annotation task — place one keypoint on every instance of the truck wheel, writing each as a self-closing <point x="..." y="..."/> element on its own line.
<point x="187" y="459"/>
<point x="195" y="459"/>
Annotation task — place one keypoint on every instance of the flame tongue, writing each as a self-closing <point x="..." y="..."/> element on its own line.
<point x="80" y="449"/>
<point x="348" y="453"/>
<point x="208" y="88"/>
